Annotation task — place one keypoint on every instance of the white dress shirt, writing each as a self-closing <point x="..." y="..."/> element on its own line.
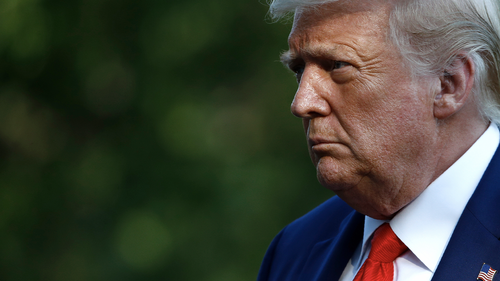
<point x="427" y="223"/>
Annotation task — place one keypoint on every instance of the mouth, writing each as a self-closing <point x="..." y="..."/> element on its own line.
<point x="317" y="141"/>
<point x="325" y="146"/>
<point x="322" y="147"/>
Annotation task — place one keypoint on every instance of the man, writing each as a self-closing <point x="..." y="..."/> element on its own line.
<point x="399" y="100"/>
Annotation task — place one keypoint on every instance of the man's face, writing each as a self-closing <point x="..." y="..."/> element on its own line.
<point x="370" y="127"/>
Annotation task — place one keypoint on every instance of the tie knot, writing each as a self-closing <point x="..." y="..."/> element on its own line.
<point x="386" y="246"/>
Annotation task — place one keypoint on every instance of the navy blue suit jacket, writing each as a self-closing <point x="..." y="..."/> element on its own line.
<point x="317" y="246"/>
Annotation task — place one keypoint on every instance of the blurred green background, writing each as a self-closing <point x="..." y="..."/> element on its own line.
<point x="145" y="140"/>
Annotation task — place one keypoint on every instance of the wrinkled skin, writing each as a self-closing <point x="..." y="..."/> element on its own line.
<point x="371" y="129"/>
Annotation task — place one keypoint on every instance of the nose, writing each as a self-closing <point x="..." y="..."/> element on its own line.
<point x="310" y="98"/>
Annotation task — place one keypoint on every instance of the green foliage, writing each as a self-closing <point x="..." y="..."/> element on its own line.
<point x="145" y="140"/>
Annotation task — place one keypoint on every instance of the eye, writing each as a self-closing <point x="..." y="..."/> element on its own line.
<point x="337" y="65"/>
<point x="298" y="70"/>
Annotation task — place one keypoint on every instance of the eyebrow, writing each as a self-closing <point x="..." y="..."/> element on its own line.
<point x="289" y="58"/>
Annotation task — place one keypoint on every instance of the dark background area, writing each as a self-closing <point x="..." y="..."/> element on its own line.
<point x="145" y="140"/>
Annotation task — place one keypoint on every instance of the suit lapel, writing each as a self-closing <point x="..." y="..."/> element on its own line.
<point x="475" y="238"/>
<point x="329" y="258"/>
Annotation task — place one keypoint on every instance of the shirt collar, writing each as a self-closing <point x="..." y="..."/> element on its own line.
<point x="427" y="223"/>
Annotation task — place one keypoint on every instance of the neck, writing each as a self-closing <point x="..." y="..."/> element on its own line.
<point x="456" y="134"/>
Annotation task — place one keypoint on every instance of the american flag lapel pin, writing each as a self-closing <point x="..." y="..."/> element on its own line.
<point x="487" y="273"/>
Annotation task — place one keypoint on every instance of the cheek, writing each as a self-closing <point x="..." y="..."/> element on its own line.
<point x="397" y="141"/>
<point x="389" y="127"/>
<point x="393" y="103"/>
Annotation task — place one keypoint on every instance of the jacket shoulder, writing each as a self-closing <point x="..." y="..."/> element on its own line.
<point x="291" y="248"/>
<point x="321" y="223"/>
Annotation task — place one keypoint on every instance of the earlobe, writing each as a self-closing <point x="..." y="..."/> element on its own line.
<point x="456" y="87"/>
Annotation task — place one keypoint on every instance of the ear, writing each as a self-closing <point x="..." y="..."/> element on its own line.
<point x="456" y="87"/>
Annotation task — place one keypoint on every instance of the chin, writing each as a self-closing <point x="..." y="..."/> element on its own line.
<point x="335" y="185"/>
<point x="335" y="177"/>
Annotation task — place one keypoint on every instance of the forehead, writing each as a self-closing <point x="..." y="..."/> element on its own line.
<point x="353" y="24"/>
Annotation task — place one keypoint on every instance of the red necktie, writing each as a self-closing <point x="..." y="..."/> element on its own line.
<point x="386" y="247"/>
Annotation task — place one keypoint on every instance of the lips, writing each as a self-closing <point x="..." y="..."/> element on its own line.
<point x="314" y="141"/>
<point x="327" y="147"/>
